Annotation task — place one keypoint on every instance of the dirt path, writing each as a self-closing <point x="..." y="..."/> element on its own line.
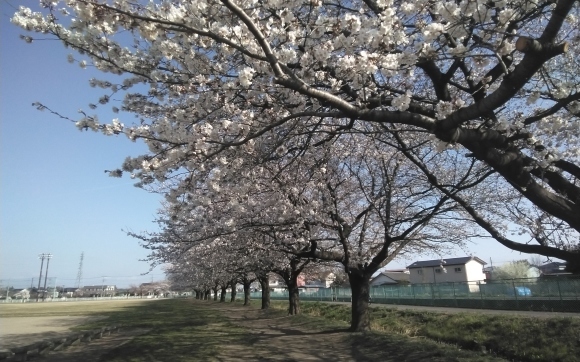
<point x="276" y="338"/>
<point x="284" y="338"/>
<point x="225" y="332"/>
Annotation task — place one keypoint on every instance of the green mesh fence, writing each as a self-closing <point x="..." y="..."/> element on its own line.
<point x="539" y="294"/>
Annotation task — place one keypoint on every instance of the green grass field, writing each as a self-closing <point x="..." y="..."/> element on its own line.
<point x="190" y="330"/>
<point x="512" y="337"/>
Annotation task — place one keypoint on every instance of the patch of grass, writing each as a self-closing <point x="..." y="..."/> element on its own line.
<point x="180" y="330"/>
<point x="378" y="345"/>
<point x="521" y="338"/>
<point x="513" y="337"/>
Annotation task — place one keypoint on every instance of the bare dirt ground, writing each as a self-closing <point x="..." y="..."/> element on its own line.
<point x="20" y="331"/>
<point x="93" y="351"/>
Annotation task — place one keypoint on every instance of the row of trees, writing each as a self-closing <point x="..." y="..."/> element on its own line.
<point x="288" y="134"/>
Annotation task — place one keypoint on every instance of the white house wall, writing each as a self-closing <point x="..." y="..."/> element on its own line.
<point x="474" y="271"/>
<point x="471" y="272"/>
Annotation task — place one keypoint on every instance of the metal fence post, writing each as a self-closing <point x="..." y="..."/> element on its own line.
<point x="560" y="293"/>
<point x="516" y="294"/>
<point x="399" y="293"/>
<point x="480" y="294"/>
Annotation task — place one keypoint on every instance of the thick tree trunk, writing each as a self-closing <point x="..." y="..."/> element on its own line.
<point x="206" y="295"/>
<point x="234" y="292"/>
<point x="197" y="294"/>
<point x="247" y="292"/>
<point x="224" y="290"/>
<point x="290" y="275"/>
<point x="293" y="295"/>
<point x="215" y="296"/>
<point x="359" y="285"/>
<point x="265" y="284"/>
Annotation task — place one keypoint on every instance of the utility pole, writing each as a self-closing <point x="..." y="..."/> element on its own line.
<point x="80" y="271"/>
<point x="48" y="256"/>
<point x="41" y="257"/>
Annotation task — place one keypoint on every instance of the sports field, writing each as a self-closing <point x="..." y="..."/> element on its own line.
<point x="24" y="323"/>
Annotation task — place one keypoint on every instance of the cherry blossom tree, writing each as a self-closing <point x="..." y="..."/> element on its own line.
<point x="372" y="205"/>
<point x="498" y="80"/>
<point x="357" y="203"/>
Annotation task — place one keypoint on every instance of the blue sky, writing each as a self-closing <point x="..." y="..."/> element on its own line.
<point x="54" y="194"/>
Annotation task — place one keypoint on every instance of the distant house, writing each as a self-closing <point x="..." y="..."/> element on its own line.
<point x="466" y="269"/>
<point x="99" y="290"/>
<point x="160" y="288"/>
<point x="391" y="277"/>
<point x="276" y="284"/>
<point x="21" y="294"/>
<point x="312" y="287"/>
<point x="71" y="292"/>
<point x="553" y="269"/>
<point x="327" y="278"/>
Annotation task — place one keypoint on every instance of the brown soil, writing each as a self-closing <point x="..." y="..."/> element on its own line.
<point x="93" y="351"/>
<point x="21" y="331"/>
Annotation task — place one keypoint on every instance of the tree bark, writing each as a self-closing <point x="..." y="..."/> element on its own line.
<point x="223" y="294"/>
<point x="234" y="292"/>
<point x="215" y="296"/>
<point x="247" y="298"/>
<point x="360" y="314"/>
<point x="290" y="275"/>
<point x="293" y="295"/>
<point x="265" y="284"/>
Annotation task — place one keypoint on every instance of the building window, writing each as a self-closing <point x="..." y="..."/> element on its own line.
<point x="458" y="270"/>
<point x="420" y="272"/>
<point x="438" y="270"/>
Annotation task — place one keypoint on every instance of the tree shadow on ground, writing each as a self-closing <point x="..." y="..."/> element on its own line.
<point x="186" y="330"/>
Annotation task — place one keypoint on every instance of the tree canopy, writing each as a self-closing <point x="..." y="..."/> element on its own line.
<point x="492" y="81"/>
<point x="478" y="99"/>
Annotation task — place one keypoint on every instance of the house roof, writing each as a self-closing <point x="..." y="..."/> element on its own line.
<point x="313" y="285"/>
<point x="396" y="271"/>
<point x="445" y="262"/>
<point x="398" y="276"/>
<point x="553" y="267"/>
<point x="394" y="276"/>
